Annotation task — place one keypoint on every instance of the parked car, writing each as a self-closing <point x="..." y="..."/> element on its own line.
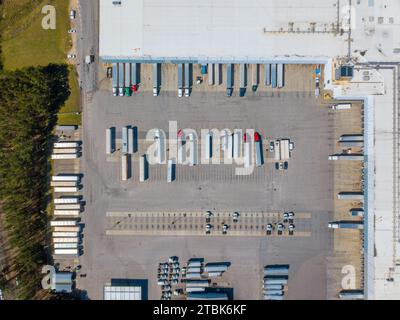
<point x="271" y="146"/>
<point x="277" y="165"/>
<point x="72" y="14"/>
<point x="71" y="56"/>
<point x="285" y="165"/>
<point x="72" y="31"/>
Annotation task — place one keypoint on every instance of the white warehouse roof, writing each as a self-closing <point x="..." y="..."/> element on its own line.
<point x="228" y="29"/>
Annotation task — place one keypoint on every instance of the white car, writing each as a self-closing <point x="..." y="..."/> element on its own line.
<point x="71" y="56"/>
<point x="72" y="14"/>
<point x="72" y="31"/>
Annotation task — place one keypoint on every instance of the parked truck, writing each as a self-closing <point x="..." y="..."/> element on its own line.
<point x="156" y="79"/>
<point x="124" y="167"/>
<point x="66" y="251"/>
<point x="67" y="213"/>
<point x="135" y="75"/>
<point x="274" y="76"/>
<point x="346" y="225"/>
<point x="187" y="79"/>
<point x="341" y="106"/>
<point x="66" y="177"/>
<point x="280" y="74"/>
<point x="68" y="206"/>
<point x="69" y="223"/>
<point x="210" y="74"/>
<point x="124" y="139"/>
<point x="70" y="245"/>
<point x="65" y="200"/>
<point x="66" y="239"/>
<point x="65" y="151"/>
<point x="351" y="137"/>
<point x="268" y="74"/>
<point x="350" y="195"/>
<point x="65" y="189"/>
<point x="258" y="149"/>
<point x="121" y="79"/>
<point x="63" y="183"/>
<point x="180" y="80"/>
<point x="109" y="148"/>
<point x="65" y="234"/>
<point x="115" y="79"/>
<point x="66" y="229"/>
<point x="356" y="212"/>
<point x="71" y="144"/>
<point x="229" y="79"/>
<point x="67" y="156"/>
<point x="127" y="88"/>
<point x="254" y="77"/>
<point x="243" y="79"/>
<point x="349" y="157"/>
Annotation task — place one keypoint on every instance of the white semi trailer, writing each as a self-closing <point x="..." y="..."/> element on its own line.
<point x="66" y="200"/>
<point x="67" y="144"/>
<point x="64" y="156"/>
<point x="124" y="167"/>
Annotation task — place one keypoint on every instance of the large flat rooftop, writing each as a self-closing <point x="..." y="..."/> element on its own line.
<point x="220" y="29"/>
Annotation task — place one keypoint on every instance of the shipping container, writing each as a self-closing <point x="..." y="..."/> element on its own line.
<point x="272" y="297"/>
<point x="127" y="75"/>
<point x="284" y="149"/>
<point x="193" y="275"/>
<point x="276" y="270"/>
<point x="255" y="75"/>
<point x="346" y="225"/>
<point x="351" y="294"/>
<point x="351" y="144"/>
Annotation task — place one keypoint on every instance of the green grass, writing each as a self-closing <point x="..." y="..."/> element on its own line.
<point x="26" y="43"/>
<point x="69" y="119"/>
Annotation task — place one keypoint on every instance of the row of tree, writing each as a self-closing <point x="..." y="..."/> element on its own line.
<point x="29" y="101"/>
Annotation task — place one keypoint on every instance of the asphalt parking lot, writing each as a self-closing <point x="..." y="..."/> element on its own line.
<point x="307" y="186"/>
